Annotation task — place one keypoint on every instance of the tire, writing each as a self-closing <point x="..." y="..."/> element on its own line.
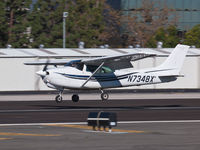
<point x="58" y="99"/>
<point x="75" y="98"/>
<point x="104" y="96"/>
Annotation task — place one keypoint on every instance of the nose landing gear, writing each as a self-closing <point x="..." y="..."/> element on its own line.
<point x="59" y="98"/>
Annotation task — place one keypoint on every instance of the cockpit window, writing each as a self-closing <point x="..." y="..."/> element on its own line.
<point x="91" y="68"/>
<point x="104" y="69"/>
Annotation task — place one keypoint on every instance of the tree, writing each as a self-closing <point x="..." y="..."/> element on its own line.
<point x="43" y="22"/>
<point x="168" y="36"/>
<point x="192" y="37"/>
<point x="16" y="17"/>
<point x="84" y="23"/>
<point x="111" y="33"/>
<point x="3" y="25"/>
<point x="143" y="22"/>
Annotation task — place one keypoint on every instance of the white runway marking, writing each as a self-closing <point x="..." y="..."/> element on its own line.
<point x="41" y="124"/>
<point x="167" y="121"/>
<point x="84" y="123"/>
<point x="95" y="109"/>
<point x="91" y="131"/>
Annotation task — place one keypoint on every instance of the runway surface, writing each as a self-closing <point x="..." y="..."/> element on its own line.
<point x="136" y="109"/>
<point x="146" y="121"/>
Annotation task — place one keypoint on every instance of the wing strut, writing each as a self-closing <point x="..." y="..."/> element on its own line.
<point x="92" y="74"/>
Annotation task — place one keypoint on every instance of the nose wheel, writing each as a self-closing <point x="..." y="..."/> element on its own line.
<point x="104" y="96"/>
<point x="59" y="98"/>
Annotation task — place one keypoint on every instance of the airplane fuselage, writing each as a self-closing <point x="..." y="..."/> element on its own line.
<point x="72" y="78"/>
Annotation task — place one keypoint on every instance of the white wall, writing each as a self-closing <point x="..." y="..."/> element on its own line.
<point x="15" y="76"/>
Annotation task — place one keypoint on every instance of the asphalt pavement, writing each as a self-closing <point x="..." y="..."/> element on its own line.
<point x="145" y="121"/>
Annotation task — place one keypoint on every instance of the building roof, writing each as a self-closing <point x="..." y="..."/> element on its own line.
<point x="90" y="52"/>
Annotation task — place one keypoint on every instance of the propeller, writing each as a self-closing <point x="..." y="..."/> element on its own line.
<point x="44" y="71"/>
<point x="46" y="65"/>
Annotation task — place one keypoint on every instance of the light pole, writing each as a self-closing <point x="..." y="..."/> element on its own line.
<point x="65" y="15"/>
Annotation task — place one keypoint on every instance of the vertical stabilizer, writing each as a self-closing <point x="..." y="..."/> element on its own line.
<point x="176" y="58"/>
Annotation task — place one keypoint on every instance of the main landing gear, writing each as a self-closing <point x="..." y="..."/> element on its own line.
<point x="75" y="97"/>
<point x="104" y="95"/>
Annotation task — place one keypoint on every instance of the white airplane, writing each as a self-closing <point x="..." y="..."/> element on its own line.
<point x="109" y="72"/>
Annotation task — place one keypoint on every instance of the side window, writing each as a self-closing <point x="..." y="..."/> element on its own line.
<point x="103" y="69"/>
<point x="91" y="68"/>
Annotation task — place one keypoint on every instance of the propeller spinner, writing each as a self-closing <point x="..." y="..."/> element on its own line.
<point x="44" y="71"/>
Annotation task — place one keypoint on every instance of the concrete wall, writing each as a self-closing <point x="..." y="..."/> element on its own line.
<point x="15" y="76"/>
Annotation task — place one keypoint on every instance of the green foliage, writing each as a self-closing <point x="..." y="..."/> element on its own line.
<point x="168" y="36"/>
<point x="91" y="21"/>
<point x="84" y="23"/>
<point x="192" y="37"/>
<point x="3" y="25"/>
<point x="17" y="12"/>
<point x="13" y="25"/>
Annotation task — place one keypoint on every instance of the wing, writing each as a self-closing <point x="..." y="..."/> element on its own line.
<point x="114" y="62"/>
<point x="118" y="61"/>
<point x="126" y="57"/>
<point x="52" y="62"/>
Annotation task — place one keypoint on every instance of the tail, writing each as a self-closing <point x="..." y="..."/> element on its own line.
<point x="174" y="62"/>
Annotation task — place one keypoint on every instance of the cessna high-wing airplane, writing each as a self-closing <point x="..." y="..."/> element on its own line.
<point x="109" y="72"/>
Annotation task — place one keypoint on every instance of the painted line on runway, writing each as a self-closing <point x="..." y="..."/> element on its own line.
<point x="26" y="134"/>
<point x="90" y="128"/>
<point x="128" y="131"/>
<point x="97" y="109"/>
<point x="41" y="124"/>
<point x="164" y="121"/>
<point x="172" y="108"/>
<point x="91" y="131"/>
<point x="1" y="139"/>
<point x="70" y="126"/>
<point x="85" y="123"/>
